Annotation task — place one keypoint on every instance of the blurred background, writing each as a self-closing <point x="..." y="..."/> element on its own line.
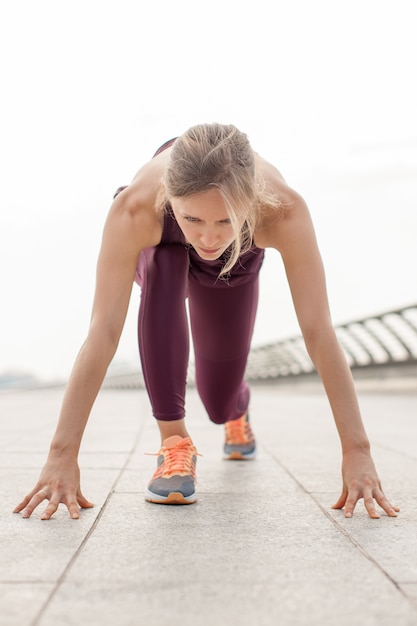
<point x="326" y="91"/>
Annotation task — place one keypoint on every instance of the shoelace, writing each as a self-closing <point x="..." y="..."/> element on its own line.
<point x="238" y="431"/>
<point x="177" y="460"/>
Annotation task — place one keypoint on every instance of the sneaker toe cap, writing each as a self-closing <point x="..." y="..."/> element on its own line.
<point x="164" y="486"/>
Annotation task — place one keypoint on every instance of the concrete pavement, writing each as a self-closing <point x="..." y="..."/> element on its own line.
<point x="262" y="545"/>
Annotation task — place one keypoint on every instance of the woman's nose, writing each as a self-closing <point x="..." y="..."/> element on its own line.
<point x="209" y="237"/>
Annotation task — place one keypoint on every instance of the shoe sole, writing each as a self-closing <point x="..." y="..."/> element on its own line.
<point x="238" y="456"/>
<point x="176" y="497"/>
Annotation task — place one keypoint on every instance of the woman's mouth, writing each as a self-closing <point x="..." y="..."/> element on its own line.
<point x="210" y="251"/>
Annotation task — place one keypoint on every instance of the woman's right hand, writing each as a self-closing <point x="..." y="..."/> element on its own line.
<point x="59" y="482"/>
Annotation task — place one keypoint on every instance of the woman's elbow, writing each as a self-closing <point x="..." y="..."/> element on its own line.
<point x="317" y="337"/>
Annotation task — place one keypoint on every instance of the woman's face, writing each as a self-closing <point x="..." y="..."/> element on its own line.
<point x="204" y="220"/>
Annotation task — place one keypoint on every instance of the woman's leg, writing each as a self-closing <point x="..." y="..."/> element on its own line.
<point x="164" y="346"/>
<point x="222" y="320"/>
<point x="163" y="332"/>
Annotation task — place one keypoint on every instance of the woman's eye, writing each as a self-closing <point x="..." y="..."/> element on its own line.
<point x="188" y="218"/>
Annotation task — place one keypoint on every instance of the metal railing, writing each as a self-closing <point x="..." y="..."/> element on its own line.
<point x="383" y="345"/>
<point x="384" y="341"/>
<point x="379" y="341"/>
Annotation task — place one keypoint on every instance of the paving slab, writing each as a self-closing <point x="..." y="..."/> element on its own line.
<point x="37" y="551"/>
<point x="262" y="545"/>
<point x="20" y="602"/>
<point x="228" y="558"/>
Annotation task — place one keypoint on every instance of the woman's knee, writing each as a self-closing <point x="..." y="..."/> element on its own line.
<point x="224" y="402"/>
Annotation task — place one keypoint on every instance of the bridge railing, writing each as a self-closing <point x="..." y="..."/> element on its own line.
<point x="378" y="342"/>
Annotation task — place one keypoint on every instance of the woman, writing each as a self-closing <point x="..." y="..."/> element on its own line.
<point x="194" y="223"/>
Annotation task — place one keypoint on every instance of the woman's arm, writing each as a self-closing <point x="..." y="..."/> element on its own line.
<point x="292" y="234"/>
<point x="132" y="225"/>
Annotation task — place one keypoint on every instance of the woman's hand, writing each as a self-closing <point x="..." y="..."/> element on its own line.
<point x="59" y="482"/>
<point x="360" y="480"/>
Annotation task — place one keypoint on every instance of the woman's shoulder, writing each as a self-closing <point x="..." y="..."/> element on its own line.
<point x="283" y="205"/>
<point x="147" y="182"/>
<point x="138" y="201"/>
<point x="275" y="184"/>
<point x="141" y="195"/>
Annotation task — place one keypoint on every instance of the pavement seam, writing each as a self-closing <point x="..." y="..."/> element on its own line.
<point x="61" y="579"/>
<point x="340" y="528"/>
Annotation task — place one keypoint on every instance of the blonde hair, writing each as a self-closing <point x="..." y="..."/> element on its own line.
<point x="218" y="156"/>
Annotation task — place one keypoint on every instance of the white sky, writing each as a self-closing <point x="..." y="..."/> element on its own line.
<point x="325" y="90"/>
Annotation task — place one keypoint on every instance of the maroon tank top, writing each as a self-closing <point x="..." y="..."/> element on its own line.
<point x="207" y="272"/>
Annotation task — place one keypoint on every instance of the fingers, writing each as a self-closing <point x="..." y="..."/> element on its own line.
<point x="36" y="491"/>
<point x="341" y="501"/>
<point x="31" y="502"/>
<point x="73" y="507"/>
<point x="50" y="510"/>
<point x="350" y="503"/>
<point x="22" y="504"/>
<point x="384" y="503"/>
<point x="34" y="499"/>
<point x="349" y="499"/>
<point x="83" y="502"/>
<point x="368" y="500"/>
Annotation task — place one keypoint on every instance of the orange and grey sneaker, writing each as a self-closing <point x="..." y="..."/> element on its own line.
<point x="174" y="479"/>
<point x="240" y="442"/>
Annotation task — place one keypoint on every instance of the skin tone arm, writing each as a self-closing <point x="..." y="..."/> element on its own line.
<point x="293" y="236"/>
<point x="132" y="224"/>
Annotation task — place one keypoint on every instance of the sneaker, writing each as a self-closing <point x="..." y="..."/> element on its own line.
<point x="174" y="479"/>
<point x="240" y="442"/>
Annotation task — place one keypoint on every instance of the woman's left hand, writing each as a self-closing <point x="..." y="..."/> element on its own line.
<point x="360" y="480"/>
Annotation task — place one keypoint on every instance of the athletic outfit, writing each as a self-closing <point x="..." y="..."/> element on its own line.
<point x="222" y="315"/>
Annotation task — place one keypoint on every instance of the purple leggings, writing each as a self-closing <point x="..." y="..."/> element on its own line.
<point x="222" y="319"/>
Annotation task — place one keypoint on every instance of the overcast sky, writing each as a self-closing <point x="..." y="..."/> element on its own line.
<point x="325" y="90"/>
